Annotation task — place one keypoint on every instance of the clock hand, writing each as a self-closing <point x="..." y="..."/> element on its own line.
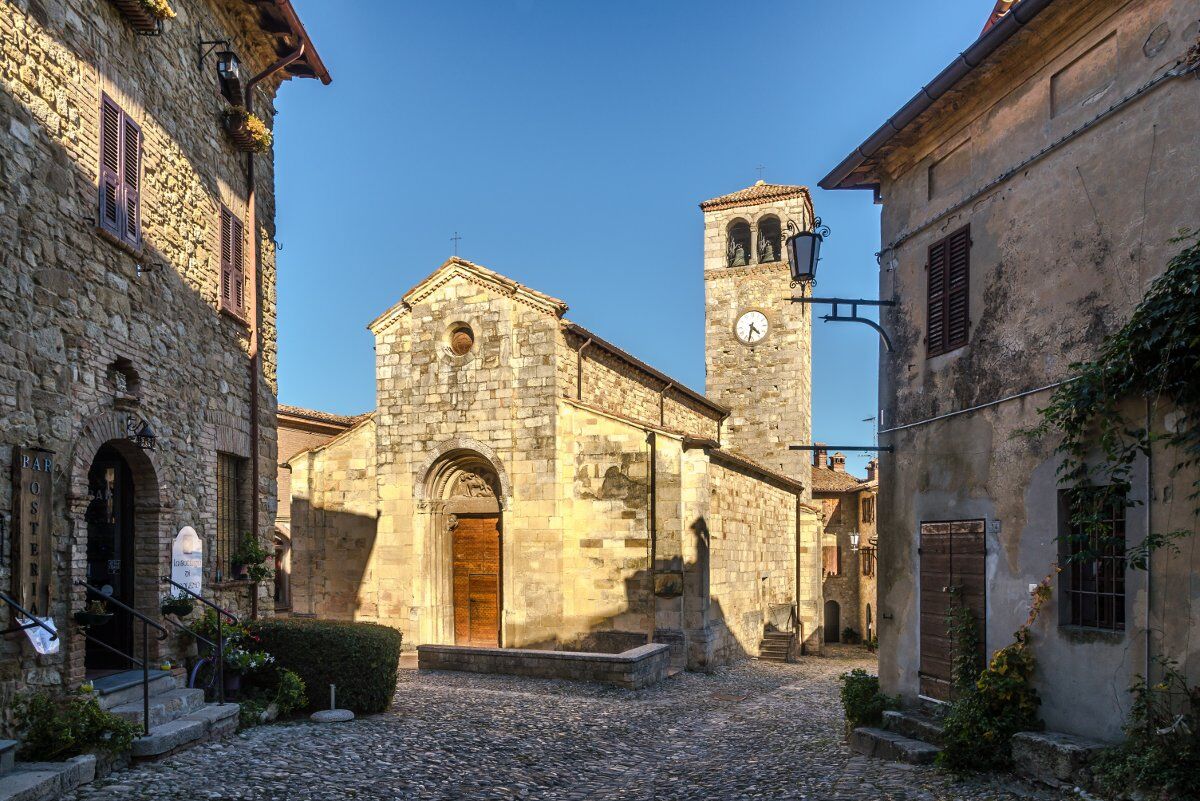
<point x="753" y="328"/>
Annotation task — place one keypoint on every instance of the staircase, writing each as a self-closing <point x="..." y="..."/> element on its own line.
<point x="909" y="736"/>
<point x="179" y="717"/>
<point x="775" y="646"/>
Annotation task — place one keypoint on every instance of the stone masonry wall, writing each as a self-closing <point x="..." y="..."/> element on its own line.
<point x="72" y="302"/>
<point x="334" y="509"/>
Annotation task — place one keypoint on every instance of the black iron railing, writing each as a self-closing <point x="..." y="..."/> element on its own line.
<point x="25" y="613"/>
<point x="144" y="662"/>
<point x="219" y="646"/>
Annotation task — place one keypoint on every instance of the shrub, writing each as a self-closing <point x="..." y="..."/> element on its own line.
<point x="1161" y="753"/>
<point x="861" y="699"/>
<point x="978" y="729"/>
<point x="362" y="659"/>
<point x="56" y="728"/>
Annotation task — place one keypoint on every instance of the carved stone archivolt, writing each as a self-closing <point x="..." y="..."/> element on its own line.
<point x="471" y="484"/>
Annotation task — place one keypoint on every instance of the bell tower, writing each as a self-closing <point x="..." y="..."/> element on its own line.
<point x="758" y="345"/>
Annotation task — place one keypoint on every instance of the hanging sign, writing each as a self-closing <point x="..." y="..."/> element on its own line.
<point x="187" y="560"/>
<point x="31" y="547"/>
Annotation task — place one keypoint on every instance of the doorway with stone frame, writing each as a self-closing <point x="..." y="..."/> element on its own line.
<point x="462" y="576"/>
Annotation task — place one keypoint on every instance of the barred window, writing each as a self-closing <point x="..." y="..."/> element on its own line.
<point x="868" y="509"/>
<point x="868" y="561"/>
<point x="231" y="511"/>
<point x="1093" y="580"/>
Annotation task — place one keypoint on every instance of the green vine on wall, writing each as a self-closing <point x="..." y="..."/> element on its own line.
<point x="1156" y="355"/>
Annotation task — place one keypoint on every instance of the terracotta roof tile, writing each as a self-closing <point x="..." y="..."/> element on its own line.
<point x="825" y="479"/>
<point x="1002" y="8"/>
<point x="322" y="417"/>
<point x="760" y="192"/>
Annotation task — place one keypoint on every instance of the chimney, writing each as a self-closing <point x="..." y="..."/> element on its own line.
<point x="872" y="469"/>
<point x="837" y="463"/>
<point x="819" y="454"/>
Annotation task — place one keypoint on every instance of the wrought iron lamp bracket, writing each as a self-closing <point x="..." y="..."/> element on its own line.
<point x="853" y="317"/>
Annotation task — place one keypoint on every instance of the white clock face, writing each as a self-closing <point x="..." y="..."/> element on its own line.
<point x="751" y="327"/>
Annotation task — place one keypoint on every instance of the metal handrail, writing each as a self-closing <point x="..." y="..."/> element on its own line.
<point x="145" y="660"/>
<point x="33" y="621"/>
<point x="219" y="646"/>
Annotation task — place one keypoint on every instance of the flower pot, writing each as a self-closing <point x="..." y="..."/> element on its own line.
<point x="241" y="136"/>
<point x="240" y="572"/>
<point x="139" y="17"/>
<point x="88" y="619"/>
<point x="180" y="607"/>
<point x="233" y="682"/>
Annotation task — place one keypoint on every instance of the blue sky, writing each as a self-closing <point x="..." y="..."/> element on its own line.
<point x="569" y="143"/>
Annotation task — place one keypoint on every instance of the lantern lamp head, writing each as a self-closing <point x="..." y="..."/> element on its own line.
<point x="228" y="66"/>
<point x="804" y="250"/>
<point x="854" y="539"/>
<point x="140" y="433"/>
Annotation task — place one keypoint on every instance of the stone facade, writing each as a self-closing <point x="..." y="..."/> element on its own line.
<point x="98" y="331"/>
<point x="1066" y="234"/>
<point x="621" y="519"/>
<point x="848" y="507"/>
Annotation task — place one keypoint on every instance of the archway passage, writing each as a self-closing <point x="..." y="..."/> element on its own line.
<point x="477" y="580"/>
<point x="110" y="557"/>
<point x="833" y="622"/>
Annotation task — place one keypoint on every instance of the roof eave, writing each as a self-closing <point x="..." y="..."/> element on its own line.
<point x="992" y="38"/>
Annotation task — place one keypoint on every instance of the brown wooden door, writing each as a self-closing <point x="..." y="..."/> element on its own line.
<point x="952" y="570"/>
<point x="477" y="581"/>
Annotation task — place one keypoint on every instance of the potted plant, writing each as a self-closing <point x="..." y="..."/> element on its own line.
<point x="250" y="563"/>
<point x="179" y="605"/>
<point x="95" y="614"/>
<point x="247" y="131"/>
<point x="145" y="16"/>
<point x="238" y="661"/>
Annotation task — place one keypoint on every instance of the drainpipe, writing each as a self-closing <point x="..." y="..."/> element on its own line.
<point x="652" y="525"/>
<point x="255" y="317"/>
<point x="1149" y="554"/>
<point x="579" y="369"/>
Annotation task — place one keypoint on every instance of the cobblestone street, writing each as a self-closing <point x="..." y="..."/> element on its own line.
<point x="756" y="730"/>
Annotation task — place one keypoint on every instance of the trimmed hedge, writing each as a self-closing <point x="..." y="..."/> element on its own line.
<point x="362" y="659"/>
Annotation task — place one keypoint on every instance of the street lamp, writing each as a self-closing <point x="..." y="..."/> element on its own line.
<point x="804" y="250"/>
<point x="854" y="537"/>
<point x="140" y="433"/>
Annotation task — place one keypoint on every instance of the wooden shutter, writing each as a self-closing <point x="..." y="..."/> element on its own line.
<point x="958" y="274"/>
<point x="131" y="165"/>
<point x="226" y="296"/>
<point x="110" y="167"/>
<point x="829" y="555"/>
<point x="237" y="270"/>
<point x="948" y="309"/>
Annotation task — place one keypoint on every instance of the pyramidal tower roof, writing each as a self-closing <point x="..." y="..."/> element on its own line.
<point x="760" y="192"/>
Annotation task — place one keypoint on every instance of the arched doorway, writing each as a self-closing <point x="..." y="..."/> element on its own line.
<point x="111" y="559"/>
<point x="870" y="624"/>
<point x="833" y="622"/>
<point x="465" y="577"/>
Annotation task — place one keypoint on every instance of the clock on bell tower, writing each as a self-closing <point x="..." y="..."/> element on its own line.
<point x="758" y="345"/>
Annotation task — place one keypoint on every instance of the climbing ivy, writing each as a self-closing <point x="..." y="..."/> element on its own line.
<point x="1156" y="355"/>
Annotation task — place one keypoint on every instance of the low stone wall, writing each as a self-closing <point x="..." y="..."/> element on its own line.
<point x="633" y="669"/>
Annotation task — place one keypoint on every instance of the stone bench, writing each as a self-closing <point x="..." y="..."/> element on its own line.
<point x="633" y="669"/>
<point x="1055" y="759"/>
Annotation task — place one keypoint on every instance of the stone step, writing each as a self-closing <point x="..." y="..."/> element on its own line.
<point x="46" y="781"/>
<point x="882" y="744"/>
<point x="164" y="707"/>
<point x="209" y="722"/>
<point x="1059" y="760"/>
<point x="124" y="688"/>
<point x="8" y="756"/>
<point x="914" y="725"/>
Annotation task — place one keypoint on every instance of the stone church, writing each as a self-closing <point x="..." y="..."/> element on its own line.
<point x="525" y="483"/>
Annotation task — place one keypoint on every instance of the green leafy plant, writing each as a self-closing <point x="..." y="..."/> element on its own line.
<point x="362" y="659"/>
<point x="1160" y="756"/>
<point x="984" y="716"/>
<point x="54" y="728"/>
<point x="850" y="636"/>
<point x="862" y="701"/>
<point x="1156" y="356"/>
<point x="964" y="637"/>
<point x="281" y="687"/>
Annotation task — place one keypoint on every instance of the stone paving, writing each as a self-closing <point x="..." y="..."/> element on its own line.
<point x="753" y="731"/>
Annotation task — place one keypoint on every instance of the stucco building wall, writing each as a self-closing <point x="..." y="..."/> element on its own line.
<point x="1061" y="252"/>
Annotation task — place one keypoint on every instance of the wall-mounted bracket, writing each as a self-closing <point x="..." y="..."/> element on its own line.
<point x="877" y="448"/>
<point x="853" y="317"/>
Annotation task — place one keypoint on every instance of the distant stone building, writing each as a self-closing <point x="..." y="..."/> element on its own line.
<point x="137" y="312"/>
<point x="848" y="547"/>
<point x="524" y="482"/>
<point x="1030" y="195"/>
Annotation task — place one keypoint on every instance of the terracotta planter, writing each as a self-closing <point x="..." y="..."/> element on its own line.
<point x="139" y="17"/>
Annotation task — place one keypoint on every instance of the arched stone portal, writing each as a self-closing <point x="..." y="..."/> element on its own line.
<point x="833" y="622"/>
<point x="461" y="501"/>
<point x="116" y="505"/>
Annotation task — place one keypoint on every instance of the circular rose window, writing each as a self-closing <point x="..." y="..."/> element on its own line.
<point x="461" y="340"/>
